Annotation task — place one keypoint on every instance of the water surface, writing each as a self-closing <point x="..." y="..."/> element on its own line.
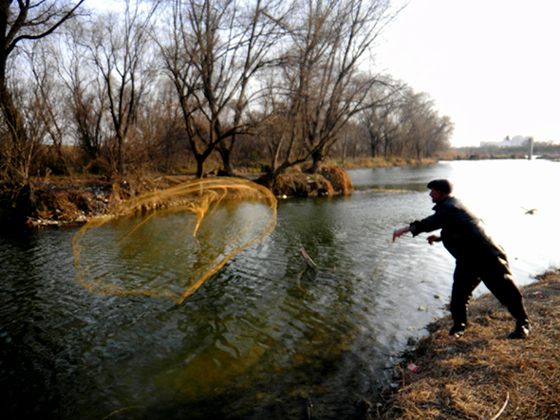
<point x="266" y="337"/>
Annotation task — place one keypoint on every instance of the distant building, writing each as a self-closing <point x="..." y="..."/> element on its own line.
<point x="516" y="141"/>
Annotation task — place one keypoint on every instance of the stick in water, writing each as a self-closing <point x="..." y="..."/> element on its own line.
<point x="307" y="259"/>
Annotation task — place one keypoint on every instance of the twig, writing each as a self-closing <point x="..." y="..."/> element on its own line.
<point x="309" y="410"/>
<point x="307" y="259"/>
<point x="499" y="413"/>
<point x="122" y="409"/>
<point x="298" y="280"/>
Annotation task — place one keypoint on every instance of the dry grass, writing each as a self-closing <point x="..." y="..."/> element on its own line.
<point x="75" y="199"/>
<point x="60" y="200"/>
<point x="65" y="200"/>
<point x="301" y="185"/>
<point x="379" y="162"/>
<point x="339" y="178"/>
<point x="331" y="180"/>
<point x="476" y="376"/>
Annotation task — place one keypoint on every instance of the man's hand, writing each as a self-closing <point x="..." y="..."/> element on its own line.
<point x="433" y="238"/>
<point x="400" y="232"/>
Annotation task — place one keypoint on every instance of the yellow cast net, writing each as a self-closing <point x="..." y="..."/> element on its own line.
<point x="167" y="243"/>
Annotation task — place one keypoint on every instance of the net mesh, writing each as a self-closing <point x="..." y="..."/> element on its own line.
<point x="167" y="243"/>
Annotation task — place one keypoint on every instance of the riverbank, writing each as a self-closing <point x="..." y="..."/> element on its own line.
<point x="59" y="201"/>
<point x="380" y="162"/>
<point x="50" y="283"/>
<point x="483" y="375"/>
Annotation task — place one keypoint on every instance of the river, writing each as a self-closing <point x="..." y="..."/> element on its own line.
<point x="266" y="337"/>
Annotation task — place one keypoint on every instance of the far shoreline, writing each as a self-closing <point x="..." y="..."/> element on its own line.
<point x="74" y="200"/>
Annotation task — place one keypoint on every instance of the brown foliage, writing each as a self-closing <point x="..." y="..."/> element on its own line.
<point x="77" y="200"/>
<point x="331" y="180"/>
<point x="301" y="185"/>
<point x="339" y="178"/>
<point x="68" y="201"/>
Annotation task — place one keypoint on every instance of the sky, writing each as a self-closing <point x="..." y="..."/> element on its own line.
<point x="492" y="66"/>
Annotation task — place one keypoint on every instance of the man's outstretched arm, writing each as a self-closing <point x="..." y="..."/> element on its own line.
<point x="399" y="232"/>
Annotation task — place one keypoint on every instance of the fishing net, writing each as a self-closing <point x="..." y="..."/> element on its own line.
<point x="167" y="243"/>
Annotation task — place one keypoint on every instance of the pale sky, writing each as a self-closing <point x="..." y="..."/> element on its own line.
<point x="493" y="66"/>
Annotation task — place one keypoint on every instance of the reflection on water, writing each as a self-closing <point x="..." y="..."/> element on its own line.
<point x="266" y="336"/>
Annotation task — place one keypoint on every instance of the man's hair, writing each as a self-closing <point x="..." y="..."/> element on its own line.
<point x="441" y="185"/>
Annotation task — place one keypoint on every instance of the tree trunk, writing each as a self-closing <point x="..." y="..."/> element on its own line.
<point x="17" y="162"/>
<point x="225" y="153"/>
<point x="267" y="180"/>
<point x="318" y="159"/>
<point x="199" y="166"/>
<point x="120" y="163"/>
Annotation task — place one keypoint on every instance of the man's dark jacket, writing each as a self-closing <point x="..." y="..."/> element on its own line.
<point x="461" y="231"/>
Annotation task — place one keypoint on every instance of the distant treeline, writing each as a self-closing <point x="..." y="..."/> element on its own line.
<point x="173" y="84"/>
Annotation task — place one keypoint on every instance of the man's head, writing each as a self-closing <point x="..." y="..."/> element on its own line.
<point x="441" y="188"/>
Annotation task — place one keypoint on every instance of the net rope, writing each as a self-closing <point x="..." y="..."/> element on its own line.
<point x="167" y="243"/>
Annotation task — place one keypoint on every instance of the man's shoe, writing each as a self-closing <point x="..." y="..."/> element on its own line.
<point x="521" y="332"/>
<point x="457" y="331"/>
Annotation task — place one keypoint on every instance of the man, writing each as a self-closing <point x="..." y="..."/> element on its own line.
<point x="477" y="258"/>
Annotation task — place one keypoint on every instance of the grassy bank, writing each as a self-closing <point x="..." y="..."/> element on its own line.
<point x="484" y="375"/>
<point x="379" y="162"/>
<point x="58" y="200"/>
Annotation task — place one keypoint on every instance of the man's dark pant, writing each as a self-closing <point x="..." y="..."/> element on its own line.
<point x="497" y="277"/>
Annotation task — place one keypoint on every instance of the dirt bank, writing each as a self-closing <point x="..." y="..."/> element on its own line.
<point x="64" y="201"/>
<point x="75" y="200"/>
<point x="56" y="201"/>
<point x="484" y="375"/>
<point x="381" y="162"/>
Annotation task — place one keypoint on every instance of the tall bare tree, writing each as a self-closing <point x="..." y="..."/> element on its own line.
<point x="23" y="21"/>
<point x="380" y="119"/>
<point x="49" y="102"/>
<point x="260" y="27"/>
<point x="322" y="83"/>
<point x="87" y="97"/>
<point x="213" y="50"/>
<point x="118" y="46"/>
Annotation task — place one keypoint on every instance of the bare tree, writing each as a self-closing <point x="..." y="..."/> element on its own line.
<point x="380" y="118"/>
<point x="260" y="26"/>
<point x="118" y="50"/>
<point x="160" y="142"/>
<point x="87" y="96"/>
<point x="49" y="102"/>
<point x="21" y="22"/>
<point x="321" y="84"/>
<point x="423" y="130"/>
<point x="406" y="124"/>
<point x="213" y="50"/>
